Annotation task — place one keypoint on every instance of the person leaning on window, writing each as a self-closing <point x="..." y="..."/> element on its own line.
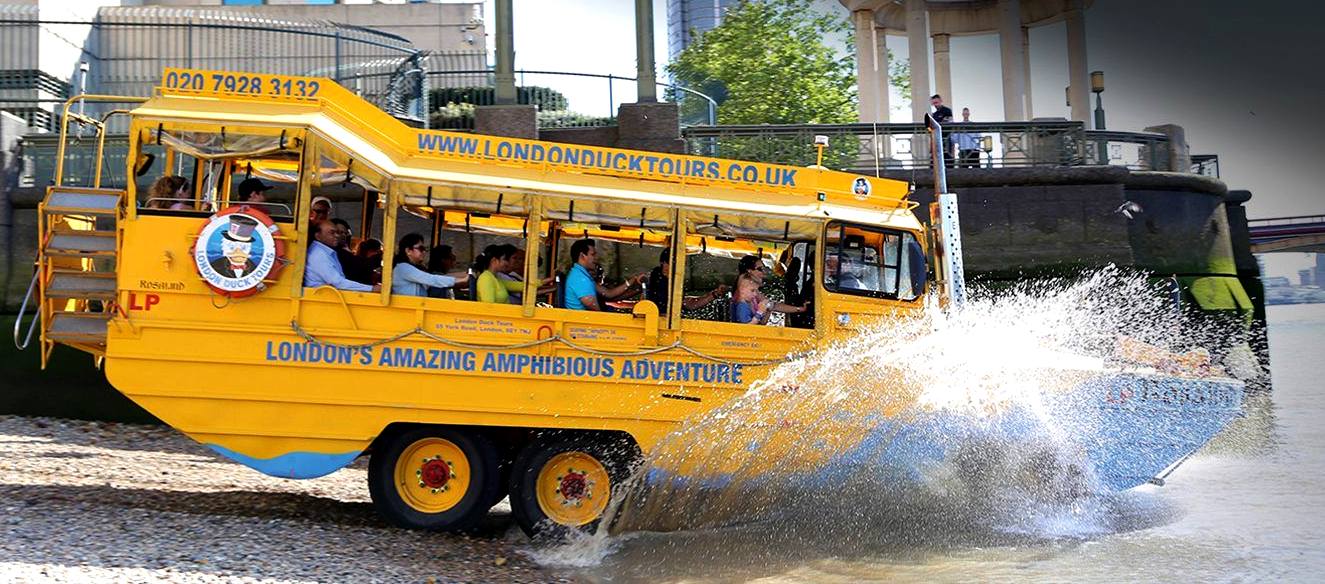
<point x="658" y="290"/>
<point x="582" y="291"/>
<point x="408" y="277"/>
<point x="323" y="269"/>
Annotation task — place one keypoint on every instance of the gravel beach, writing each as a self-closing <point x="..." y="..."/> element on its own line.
<point x="106" y="502"/>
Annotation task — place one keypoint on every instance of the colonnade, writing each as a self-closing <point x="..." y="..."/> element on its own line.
<point x="933" y="23"/>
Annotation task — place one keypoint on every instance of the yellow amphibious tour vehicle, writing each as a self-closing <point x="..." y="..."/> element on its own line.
<point x="195" y="301"/>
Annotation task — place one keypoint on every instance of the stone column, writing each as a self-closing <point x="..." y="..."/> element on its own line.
<point x="1026" y="52"/>
<point x="646" y="77"/>
<point x="885" y="85"/>
<point x="504" y="68"/>
<point x="506" y="117"/>
<point x="1013" y="60"/>
<point x="1078" y="75"/>
<point x="867" y="67"/>
<point x="1178" y="155"/>
<point x="917" y="27"/>
<point x="943" y="69"/>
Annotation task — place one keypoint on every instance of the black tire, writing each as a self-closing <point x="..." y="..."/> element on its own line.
<point x="482" y="485"/>
<point x="617" y="456"/>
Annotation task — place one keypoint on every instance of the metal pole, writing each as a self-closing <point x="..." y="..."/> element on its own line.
<point x="336" y="75"/>
<point x="505" y="66"/>
<point x="936" y="154"/>
<point x="646" y="78"/>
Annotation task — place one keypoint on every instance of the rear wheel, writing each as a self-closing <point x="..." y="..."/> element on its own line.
<point x="561" y="483"/>
<point x="434" y="477"/>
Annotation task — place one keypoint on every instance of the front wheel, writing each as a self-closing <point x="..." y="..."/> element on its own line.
<point x="561" y="483"/>
<point x="434" y="477"/>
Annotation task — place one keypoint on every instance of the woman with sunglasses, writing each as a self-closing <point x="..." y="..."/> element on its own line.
<point x="408" y="277"/>
<point x="749" y="305"/>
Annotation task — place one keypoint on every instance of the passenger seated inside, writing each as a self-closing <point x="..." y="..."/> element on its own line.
<point x="354" y="267"/>
<point x="169" y="192"/>
<point x="253" y="190"/>
<point x="323" y="269"/>
<point x="749" y="305"/>
<point x="490" y="265"/>
<point x="408" y="277"/>
<point x="658" y="291"/>
<point x="582" y="291"/>
<point x="369" y="254"/>
<point x="441" y="260"/>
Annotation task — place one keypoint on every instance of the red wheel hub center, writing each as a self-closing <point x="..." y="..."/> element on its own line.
<point x="435" y="473"/>
<point x="574" y="485"/>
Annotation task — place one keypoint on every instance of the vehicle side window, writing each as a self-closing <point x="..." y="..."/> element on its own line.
<point x="874" y="262"/>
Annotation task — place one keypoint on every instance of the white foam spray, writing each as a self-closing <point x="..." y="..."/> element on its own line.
<point x="750" y="473"/>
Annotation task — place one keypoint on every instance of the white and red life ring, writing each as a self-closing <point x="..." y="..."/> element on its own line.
<point x="238" y="249"/>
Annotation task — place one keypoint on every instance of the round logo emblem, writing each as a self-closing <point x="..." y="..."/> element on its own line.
<point x="236" y="250"/>
<point x="861" y="188"/>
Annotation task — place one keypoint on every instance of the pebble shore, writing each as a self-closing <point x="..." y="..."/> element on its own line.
<point x="106" y="502"/>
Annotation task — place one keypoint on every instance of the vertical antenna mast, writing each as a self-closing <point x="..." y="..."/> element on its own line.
<point x="943" y="220"/>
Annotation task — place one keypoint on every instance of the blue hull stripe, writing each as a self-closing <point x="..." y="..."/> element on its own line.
<point x="1128" y="427"/>
<point x="292" y="465"/>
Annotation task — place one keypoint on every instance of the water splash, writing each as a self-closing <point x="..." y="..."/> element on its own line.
<point x="937" y="429"/>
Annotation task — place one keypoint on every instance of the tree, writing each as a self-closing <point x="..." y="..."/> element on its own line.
<point x="767" y="64"/>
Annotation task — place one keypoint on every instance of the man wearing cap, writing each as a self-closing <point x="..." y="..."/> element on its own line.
<point x="236" y="246"/>
<point x="320" y="210"/>
<point x="253" y="190"/>
<point x="323" y="268"/>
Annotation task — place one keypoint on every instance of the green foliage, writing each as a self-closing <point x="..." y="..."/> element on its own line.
<point x="767" y="64"/>
<point x="452" y="116"/>
<point x="899" y="76"/>
<point x="545" y="98"/>
<point x="570" y="119"/>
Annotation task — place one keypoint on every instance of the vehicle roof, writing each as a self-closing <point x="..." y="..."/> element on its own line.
<point x="495" y="163"/>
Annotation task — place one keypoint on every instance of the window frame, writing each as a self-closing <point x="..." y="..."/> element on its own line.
<point x="841" y="242"/>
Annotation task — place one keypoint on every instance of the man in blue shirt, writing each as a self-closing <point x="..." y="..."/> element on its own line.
<point x="582" y="291"/>
<point x="968" y="144"/>
<point x="322" y="267"/>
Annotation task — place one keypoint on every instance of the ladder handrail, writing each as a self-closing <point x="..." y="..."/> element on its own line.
<point x="18" y="320"/>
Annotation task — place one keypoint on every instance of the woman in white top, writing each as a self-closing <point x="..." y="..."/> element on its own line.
<point x="408" y="277"/>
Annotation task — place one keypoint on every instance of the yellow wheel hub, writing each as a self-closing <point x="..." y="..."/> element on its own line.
<point x="573" y="488"/>
<point x="432" y="475"/>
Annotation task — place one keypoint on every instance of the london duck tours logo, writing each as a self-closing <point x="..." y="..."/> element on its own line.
<point x="237" y="250"/>
<point x="861" y="188"/>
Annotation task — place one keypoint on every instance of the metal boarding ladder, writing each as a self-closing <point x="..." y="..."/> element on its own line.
<point x="74" y="282"/>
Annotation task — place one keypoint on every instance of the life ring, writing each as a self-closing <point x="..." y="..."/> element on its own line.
<point x="237" y="249"/>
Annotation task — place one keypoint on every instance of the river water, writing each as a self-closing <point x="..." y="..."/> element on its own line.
<point x="1249" y="507"/>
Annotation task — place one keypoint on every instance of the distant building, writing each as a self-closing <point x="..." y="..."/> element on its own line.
<point x="687" y="19"/>
<point x="52" y="49"/>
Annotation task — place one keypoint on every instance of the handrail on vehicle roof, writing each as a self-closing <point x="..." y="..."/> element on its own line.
<point x="217" y="92"/>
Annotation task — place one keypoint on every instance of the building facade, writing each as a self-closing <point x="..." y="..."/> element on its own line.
<point x="50" y="50"/>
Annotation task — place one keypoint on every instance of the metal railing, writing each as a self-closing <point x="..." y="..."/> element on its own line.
<point x="126" y="49"/>
<point x="1287" y="221"/>
<point x="871" y="147"/>
<point x="1206" y="165"/>
<point x="544" y="87"/>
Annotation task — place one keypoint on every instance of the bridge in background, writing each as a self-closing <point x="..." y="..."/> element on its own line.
<point x="1303" y="233"/>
